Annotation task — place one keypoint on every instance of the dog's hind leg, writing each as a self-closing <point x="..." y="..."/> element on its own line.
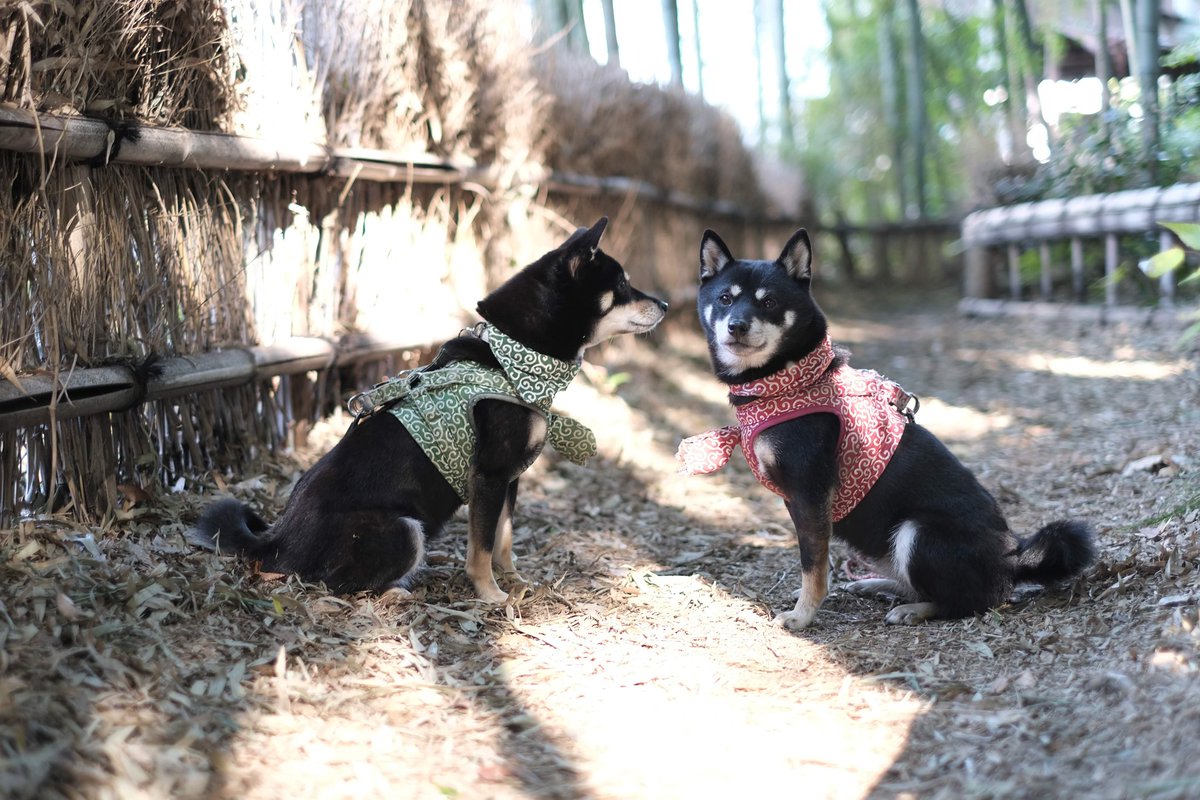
<point x="386" y="551"/>
<point x="877" y="587"/>
<point x="911" y="613"/>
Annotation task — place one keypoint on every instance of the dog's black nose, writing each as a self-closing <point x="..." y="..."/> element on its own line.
<point x="661" y="303"/>
<point x="738" y="327"/>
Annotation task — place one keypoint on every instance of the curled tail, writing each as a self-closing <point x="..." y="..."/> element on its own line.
<point x="1059" y="550"/>
<point x="230" y="527"/>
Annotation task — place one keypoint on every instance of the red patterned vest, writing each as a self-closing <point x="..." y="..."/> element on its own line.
<point x="872" y="412"/>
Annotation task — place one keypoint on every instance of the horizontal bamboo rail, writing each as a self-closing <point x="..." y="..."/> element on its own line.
<point x="97" y="141"/>
<point x="1103" y="216"/>
<point x="98" y="390"/>
<point x="93" y="140"/>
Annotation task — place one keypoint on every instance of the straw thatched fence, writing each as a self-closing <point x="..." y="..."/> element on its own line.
<point x="218" y="218"/>
<point x="996" y="239"/>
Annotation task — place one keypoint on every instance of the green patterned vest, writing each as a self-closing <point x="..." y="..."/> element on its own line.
<point x="436" y="406"/>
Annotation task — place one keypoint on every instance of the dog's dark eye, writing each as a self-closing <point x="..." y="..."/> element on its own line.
<point x="769" y="302"/>
<point x="725" y="298"/>
<point x="622" y="285"/>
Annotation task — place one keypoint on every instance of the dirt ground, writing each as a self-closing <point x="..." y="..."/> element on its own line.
<point x="643" y="663"/>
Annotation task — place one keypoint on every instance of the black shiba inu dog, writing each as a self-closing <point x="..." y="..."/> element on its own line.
<point x="921" y="517"/>
<point x="360" y="518"/>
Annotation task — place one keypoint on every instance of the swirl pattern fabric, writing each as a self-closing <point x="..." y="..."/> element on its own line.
<point x="436" y="406"/>
<point x="869" y="409"/>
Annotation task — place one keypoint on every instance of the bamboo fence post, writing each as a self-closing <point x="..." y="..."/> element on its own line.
<point x="1077" y="288"/>
<point x="975" y="276"/>
<point x="1014" y="272"/>
<point x="1047" y="284"/>
<point x="1111" y="256"/>
<point x="1166" y="284"/>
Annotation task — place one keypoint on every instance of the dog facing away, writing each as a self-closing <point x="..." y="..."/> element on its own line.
<point x="840" y="447"/>
<point x="360" y="518"/>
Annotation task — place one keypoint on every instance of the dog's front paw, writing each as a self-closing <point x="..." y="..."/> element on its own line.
<point x="492" y="594"/>
<point x="797" y="619"/>
<point x="910" y="614"/>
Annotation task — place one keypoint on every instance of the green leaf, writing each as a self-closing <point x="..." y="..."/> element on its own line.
<point x="1164" y="262"/>
<point x="1188" y="232"/>
<point x="1193" y="278"/>
<point x="616" y="379"/>
<point x="278" y="606"/>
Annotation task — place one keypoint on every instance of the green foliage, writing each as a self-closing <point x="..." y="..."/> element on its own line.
<point x="1174" y="259"/>
<point x="854" y="154"/>
<point x="844" y="142"/>
<point x="1104" y="153"/>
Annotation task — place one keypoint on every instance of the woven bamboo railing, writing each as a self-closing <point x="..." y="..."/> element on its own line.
<point x="1104" y="217"/>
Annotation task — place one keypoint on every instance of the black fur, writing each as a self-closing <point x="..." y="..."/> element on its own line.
<point x="359" y="519"/>
<point x="964" y="558"/>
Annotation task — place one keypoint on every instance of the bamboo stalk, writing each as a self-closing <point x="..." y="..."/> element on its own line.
<point x="99" y="390"/>
<point x="83" y="138"/>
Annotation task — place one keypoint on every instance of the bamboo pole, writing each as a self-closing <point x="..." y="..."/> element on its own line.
<point x="1111" y="258"/>
<point x="1166" y="284"/>
<point x="1014" y="272"/>
<point x="98" y="390"/>
<point x="1047" y="282"/>
<point x="1077" y="287"/>
<point x="87" y="139"/>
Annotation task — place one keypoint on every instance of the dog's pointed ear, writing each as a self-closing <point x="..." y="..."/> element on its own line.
<point x="581" y="247"/>
<point x="796" y="257"/>
<point x="714" y="255"/>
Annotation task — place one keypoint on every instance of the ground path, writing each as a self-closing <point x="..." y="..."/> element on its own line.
<point x="643" y="662"/>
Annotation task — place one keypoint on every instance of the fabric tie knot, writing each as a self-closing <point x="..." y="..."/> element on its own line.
<point x="570" y="438"/>
<point x="709" y="451"/>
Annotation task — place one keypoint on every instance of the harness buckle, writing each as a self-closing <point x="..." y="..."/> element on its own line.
<point x="360" y="405"/>
<point x="902" y="400"/>
<point x="366" y="402"/>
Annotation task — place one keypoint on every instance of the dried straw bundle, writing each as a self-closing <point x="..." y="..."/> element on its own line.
<point x="116" y="266"/>
<point x="157" y="61"/>
<point x="601" y="123"/>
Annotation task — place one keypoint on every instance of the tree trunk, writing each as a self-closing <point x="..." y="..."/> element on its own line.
<point x="758" y="61"/>
<point x="1104" y="67"/>
<point x="1032" y="61"/>
<point x="610" y="33"/>
<point x="1015" y="88"/>
<point x="671" y="23"/>
<point x="787" y="126"/>
<point x="549" y="20"/>
<point x="696" y="43"/>
<point x="890" y="84"/>
<point x="1148" y="69"/>
<point x="577" y="33"/>
<point x="917" y="119"/>
<point x="561" y="21"/>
